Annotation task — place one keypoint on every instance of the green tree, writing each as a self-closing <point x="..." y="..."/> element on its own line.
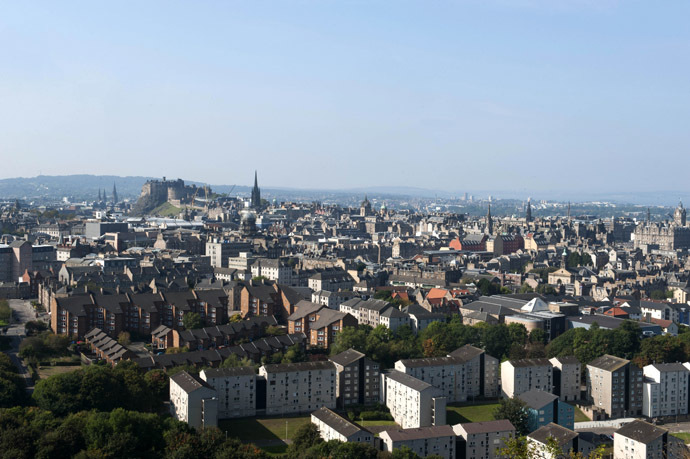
<point x="538" y="335"/>
<point x="192" y="321"/>
<point x="404" y="452"/>
<point x="124" y="338"/>
<point x="514" y="410"/>
<point x="304" y="438"/>
<point x="517" y="334"/>
<point x="495" y="340"/>
<point x="351" y="337"/>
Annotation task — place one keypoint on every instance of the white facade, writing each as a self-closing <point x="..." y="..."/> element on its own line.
<point x="425" y="441"/>
<point x="412" y="403"/>
<point x="640" y="440"/>
<point x="334" y="427"/>
<point x="460" y="378"/>
<point x="520" y="376"/>
<point x="665" y="390"/>
<point x="299" y="387"/>
<point x="192" y="401"/>
<point x="236" y="389"/>
<point x="482" y="439"/>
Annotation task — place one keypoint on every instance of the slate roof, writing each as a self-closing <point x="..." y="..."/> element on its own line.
<point x="608" y="362"/>
<point x="346" y="357"/>
<point x="537" y="399"/>
<point x="407" y="380"/>
<point x="337" y="422"/>
<point x="561" y="434"/>
<point x="420" y="433"/>
<point x="229" y="372"/>
<point x="188" y="383"/>
<point x="301" y="366"/>
<point x="641" y="431"/>
<point x="488" y="426"/>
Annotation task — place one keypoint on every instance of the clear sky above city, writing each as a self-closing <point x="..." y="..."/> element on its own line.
<point x="453" y="95"/>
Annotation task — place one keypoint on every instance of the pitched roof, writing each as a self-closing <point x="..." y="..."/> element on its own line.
<point x="301" y="366"/>
<point x="228" y="372"/>
<point x="337" y="422"/>
<point x="188" y="383"/>
<point x="561" y="434"/>
<point x="501" y="425"/>
<point x="407" y="380"/>
<point x="346" y="357"/>
<point x="608" y="362"/>
<point x="537" y="398"/>
<point x="641" y="431"/>
<point x="419" y="433"/>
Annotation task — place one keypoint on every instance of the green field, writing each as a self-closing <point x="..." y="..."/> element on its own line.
<point x="166" y="210"/>
<point x="580" y="416"/>
<point x="470" y="413"/>
<point x="685" y="436"/>
<point x="45" y="371"/>
<point x="258" y="430"/>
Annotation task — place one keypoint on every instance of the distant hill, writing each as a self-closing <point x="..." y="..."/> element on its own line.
<point x="75" y="186"/>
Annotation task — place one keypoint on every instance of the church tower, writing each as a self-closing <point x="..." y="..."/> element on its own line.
<point x="679" y="216"/>
<point x="528" y="213"/>
<point x="115" y="200"/>
<point x="256" y="193"/>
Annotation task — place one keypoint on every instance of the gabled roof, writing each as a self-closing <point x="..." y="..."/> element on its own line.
<point x="561" y="434"/>
<point x="337" y="422"/>
<point x="346" y="357"/>
<point x="641" y="431"/>
<point x="189" y="383"/>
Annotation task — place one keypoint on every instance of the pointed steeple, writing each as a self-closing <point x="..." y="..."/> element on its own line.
<point x="568" y="210"/>
<point x="528" y="213"/>
<point x="649" y="216"/>
<point x="256" y="193"/>
<point x="99" y="195"/>
<point x="115" y="200"/>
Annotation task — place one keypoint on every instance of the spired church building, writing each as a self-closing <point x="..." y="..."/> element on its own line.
<point x="664" y="236"/>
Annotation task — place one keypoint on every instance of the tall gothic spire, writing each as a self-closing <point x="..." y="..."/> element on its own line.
<point x="115" y="200"/>
<point x="528" y="213"/>
<point x="256" y="193"/>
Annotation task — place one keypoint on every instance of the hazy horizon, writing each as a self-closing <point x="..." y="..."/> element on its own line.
<point x="525" y="95"/>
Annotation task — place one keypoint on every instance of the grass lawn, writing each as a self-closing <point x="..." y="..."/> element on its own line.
<point x="471" y="413"/>
<point x="47" y="371"/>
<point x="685" y="436"/>
<point x="580" y="416"/>
<point x="256" y="430"/>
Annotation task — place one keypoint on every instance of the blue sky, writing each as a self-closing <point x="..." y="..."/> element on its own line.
<point x="533" y="95"/>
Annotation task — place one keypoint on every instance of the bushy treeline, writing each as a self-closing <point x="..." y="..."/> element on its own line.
<point x="36" y="433"/>
<point x="439" y="339"/>
<point x="102" y="388"/>
<point x="12" y="387"/>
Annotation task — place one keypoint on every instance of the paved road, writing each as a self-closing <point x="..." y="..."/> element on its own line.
<point x="22" y="312"/>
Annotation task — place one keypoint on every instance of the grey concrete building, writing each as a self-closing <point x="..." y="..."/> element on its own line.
<point x="358" y="379"/>
<point x="614" y="385"/>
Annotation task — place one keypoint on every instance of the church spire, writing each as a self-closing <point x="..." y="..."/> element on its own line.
<point x="528" y="213"/>
<point x="256" y="193"/>
<point x="115" y="200"/>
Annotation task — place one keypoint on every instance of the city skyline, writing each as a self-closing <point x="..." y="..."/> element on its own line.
<point x="529" y="95"/>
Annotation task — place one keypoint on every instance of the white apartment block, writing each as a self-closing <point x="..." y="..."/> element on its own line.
<point x="335" y="427"/>
<point x="641" y="440"/>
<point x="425" y="441"/>
<point x="520" y="376"/>
<point x="481" y="440"/>
<point x="236" y="389"/>
<point x="193" y="401"/>
<point x="412" y="403"/>
<point x="461" y="376"/>
<point x="299" y="387"/>
<point x="272" y="269"/>
<point x="665" y="390"/>
<point x="567" y="373"/>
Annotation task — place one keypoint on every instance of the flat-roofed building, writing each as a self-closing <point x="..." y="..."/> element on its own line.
<point x="412" y="403"/>
<point x="481" y="440"/>
<point x="332" y="426"/>
<point x="236" y="389"/>
<point x="424" y="441"/>
<point x="299" y="387"/>
<point x="519" y="376"/>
